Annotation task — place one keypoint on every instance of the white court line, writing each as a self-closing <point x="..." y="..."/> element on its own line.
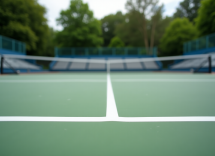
<point x="106" y="119"/>
<point x="52" y="81"/>
<point x="111" y="114"/>
<point x="163" y="80"/>
<point x="111" y="111"/>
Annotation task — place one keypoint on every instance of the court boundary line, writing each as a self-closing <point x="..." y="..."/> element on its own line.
<point x="163" y="80"/>
<point x="106" y="119"/>
<point x="54" y="81"/>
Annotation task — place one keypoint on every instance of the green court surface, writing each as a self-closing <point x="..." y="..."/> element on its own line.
<point x="56" y="76"/>
<point x="67" y="99"/>
<point x="87" y="95"/>
<point x="156" y="98"/>
<point x="105" y="139"/>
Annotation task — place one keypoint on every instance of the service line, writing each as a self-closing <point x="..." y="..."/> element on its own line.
<point x="55" y="81"/>
<point x="163" y="80"/>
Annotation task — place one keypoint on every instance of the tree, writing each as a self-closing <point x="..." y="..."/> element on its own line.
<point x="116" y="42"/>
<point x="50" y="45"/>
<point x="109" y="25"/>
<point x="179" y="31"/>
<point x="131" y="30"/>
<point x="162" y="24"/>
<point x="80" y="28"/>
<point x="154" y="22"/>
<point x="205" y="22"/>
<point x="147" y="8"/>
<point x="25" y="20"/>
<point x="188" y="9"/>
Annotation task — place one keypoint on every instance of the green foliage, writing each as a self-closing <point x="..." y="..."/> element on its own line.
<point x="147" y="10"/>
<point x="162" y="24"/>
<point x="109" y="24"/>
<point x="80" y="28"/>
<point x="20" y="32"/>
<point x="116" y="42"/>
<point x="188" y="9"/>
<point x="131" y="32"/>
<point x="179" y="31"/>
<point x="24" y="20"/>
<point x="205" y="22"/>
<point x="50" y="44"/>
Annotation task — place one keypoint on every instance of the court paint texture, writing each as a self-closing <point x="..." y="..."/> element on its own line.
<point x="100" y="114"/>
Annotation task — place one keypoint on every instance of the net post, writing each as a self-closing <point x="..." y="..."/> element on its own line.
<point x="210" y="64"/>
<point x="2" y="62"/>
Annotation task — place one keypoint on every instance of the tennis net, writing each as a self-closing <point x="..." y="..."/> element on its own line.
<point x="35" y="64"/>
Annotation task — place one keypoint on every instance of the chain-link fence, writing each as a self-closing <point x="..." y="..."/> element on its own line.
<point x="200" y="43"/>
<point x="11" y="44"/>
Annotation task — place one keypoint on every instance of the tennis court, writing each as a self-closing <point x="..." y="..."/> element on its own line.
<point x="116" y="113"/>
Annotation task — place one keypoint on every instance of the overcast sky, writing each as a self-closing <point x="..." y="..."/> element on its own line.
<point x="100" y="8"/>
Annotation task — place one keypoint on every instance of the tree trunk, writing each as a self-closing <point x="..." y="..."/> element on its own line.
<point x="152" y="35"/>
<point x="145" y="34"/>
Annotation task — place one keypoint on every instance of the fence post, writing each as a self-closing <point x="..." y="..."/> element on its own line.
<point x="184" y="46"/>
<point x="56" y="51"/>
<point x="113" y="51"/>
<point x="155" y="51"/>
<point x="139" y="51"/>
<point x="189" y="44"/>
<point x="13" y="45"/>
<point x="0" y="42"/>
<point x="24" y="48"/>
<point x="100" y="51"/>
<point x="86" y="51"/>
<point x="197" y="44"/>
<point x="20" y="46"/>
<point x="126" y="51"/>
<point x="73" y="51"/>
<point x="207" y="41"/>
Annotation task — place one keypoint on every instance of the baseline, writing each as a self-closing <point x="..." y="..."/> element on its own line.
<point x="106" y="119"/>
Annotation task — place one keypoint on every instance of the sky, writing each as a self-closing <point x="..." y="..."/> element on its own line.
<point x="100" y="8"/>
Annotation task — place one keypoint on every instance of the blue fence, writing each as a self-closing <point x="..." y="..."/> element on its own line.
<point x="200" y="43"/>
<point x="104" y="51"/>
<point x="13" y="45"/>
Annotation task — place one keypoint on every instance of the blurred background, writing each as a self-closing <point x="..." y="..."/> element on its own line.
<point x="45" y="24"/>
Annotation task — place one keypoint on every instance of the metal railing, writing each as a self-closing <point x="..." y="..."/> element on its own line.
<point x="200" y="43"/>
<point x="104" y="51"/>
<point x="13" y="45"/>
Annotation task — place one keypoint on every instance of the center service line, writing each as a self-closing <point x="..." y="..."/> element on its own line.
<point x="111" y="111"/>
